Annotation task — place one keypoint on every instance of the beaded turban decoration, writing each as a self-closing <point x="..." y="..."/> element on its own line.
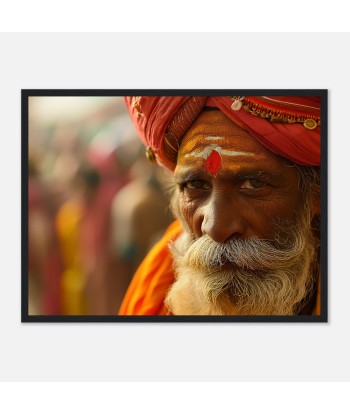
<point x="286" y="125"/>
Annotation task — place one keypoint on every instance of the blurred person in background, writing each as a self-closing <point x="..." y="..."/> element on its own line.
<point x="83" y="224"/>
<point x="68" y="223"/>
<point x="247" y="201"/>
<point x="62" y="153"/>
<point x="140" y="215"/>
<point x="96" y="230"/>
<point x="44" y="262"/>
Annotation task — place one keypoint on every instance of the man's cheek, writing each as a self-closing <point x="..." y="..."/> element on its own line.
<point x="269" y="217"/>
<point x="188" y="213"/>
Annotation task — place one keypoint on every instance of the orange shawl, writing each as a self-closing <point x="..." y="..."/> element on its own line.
<point x="146" y="293"/>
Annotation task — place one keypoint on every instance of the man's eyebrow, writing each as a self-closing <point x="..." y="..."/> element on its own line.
<point x="257" y="174"/>
<point x="186" y="175"/>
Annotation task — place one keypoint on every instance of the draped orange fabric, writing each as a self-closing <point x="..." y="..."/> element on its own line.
<point x="146" y="293"/>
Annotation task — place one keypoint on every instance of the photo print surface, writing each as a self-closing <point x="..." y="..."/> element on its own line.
<point x="174" y="205"/>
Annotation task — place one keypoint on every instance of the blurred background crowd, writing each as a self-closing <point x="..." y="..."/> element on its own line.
<point x="96" y="205"/>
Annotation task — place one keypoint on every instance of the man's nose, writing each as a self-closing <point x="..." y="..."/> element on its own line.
<point x="223" y="219"/>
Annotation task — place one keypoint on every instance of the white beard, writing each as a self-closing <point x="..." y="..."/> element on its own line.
<point x="201" y="290"/>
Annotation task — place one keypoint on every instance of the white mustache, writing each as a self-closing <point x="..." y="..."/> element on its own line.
<point x="251" y="254"/>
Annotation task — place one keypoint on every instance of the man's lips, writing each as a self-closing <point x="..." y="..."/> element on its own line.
<point x="230" y="266"/>
<point x="227" y="266"/>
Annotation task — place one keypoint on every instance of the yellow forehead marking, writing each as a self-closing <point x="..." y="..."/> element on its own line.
<point x="208" y="149"/>
<point x="212" y="153"/>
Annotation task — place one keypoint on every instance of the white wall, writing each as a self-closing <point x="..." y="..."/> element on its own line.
<point x="175" y="351"/>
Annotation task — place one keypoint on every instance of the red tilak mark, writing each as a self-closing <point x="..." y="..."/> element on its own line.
<point x="213" y="162"/>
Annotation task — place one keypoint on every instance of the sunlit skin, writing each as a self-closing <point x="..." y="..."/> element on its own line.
<point x="251" y="189"/>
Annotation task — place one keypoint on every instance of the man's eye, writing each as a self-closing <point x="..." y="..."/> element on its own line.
<point x="253" y="184"/>
<point x="196" y="185"/>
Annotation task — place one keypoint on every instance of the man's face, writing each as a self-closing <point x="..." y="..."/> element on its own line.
<point x="230" y="185"/>
<point x="248" y="246"/>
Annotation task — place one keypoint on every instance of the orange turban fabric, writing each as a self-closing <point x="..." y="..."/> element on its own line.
<point x="286" y="125"/>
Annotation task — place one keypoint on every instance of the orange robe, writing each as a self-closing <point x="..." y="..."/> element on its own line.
<point x="147" y="291"/>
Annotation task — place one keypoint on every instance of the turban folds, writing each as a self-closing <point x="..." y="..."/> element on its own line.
<point x="287" y="126"/>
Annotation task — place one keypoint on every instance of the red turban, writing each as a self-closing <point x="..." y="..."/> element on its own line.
<point x="287" y="126"/>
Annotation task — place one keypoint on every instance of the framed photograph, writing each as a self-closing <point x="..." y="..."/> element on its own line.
<point x="174" y="205"/>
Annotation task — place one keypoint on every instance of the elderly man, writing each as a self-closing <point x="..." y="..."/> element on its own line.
<point x="247" y="202"/>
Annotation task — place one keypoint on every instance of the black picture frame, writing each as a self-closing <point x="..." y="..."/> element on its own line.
<point x="27" y="93"/>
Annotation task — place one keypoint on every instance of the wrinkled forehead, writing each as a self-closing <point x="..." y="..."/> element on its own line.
<point x="214" y="135"/>
<point x="212" y="123"/>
